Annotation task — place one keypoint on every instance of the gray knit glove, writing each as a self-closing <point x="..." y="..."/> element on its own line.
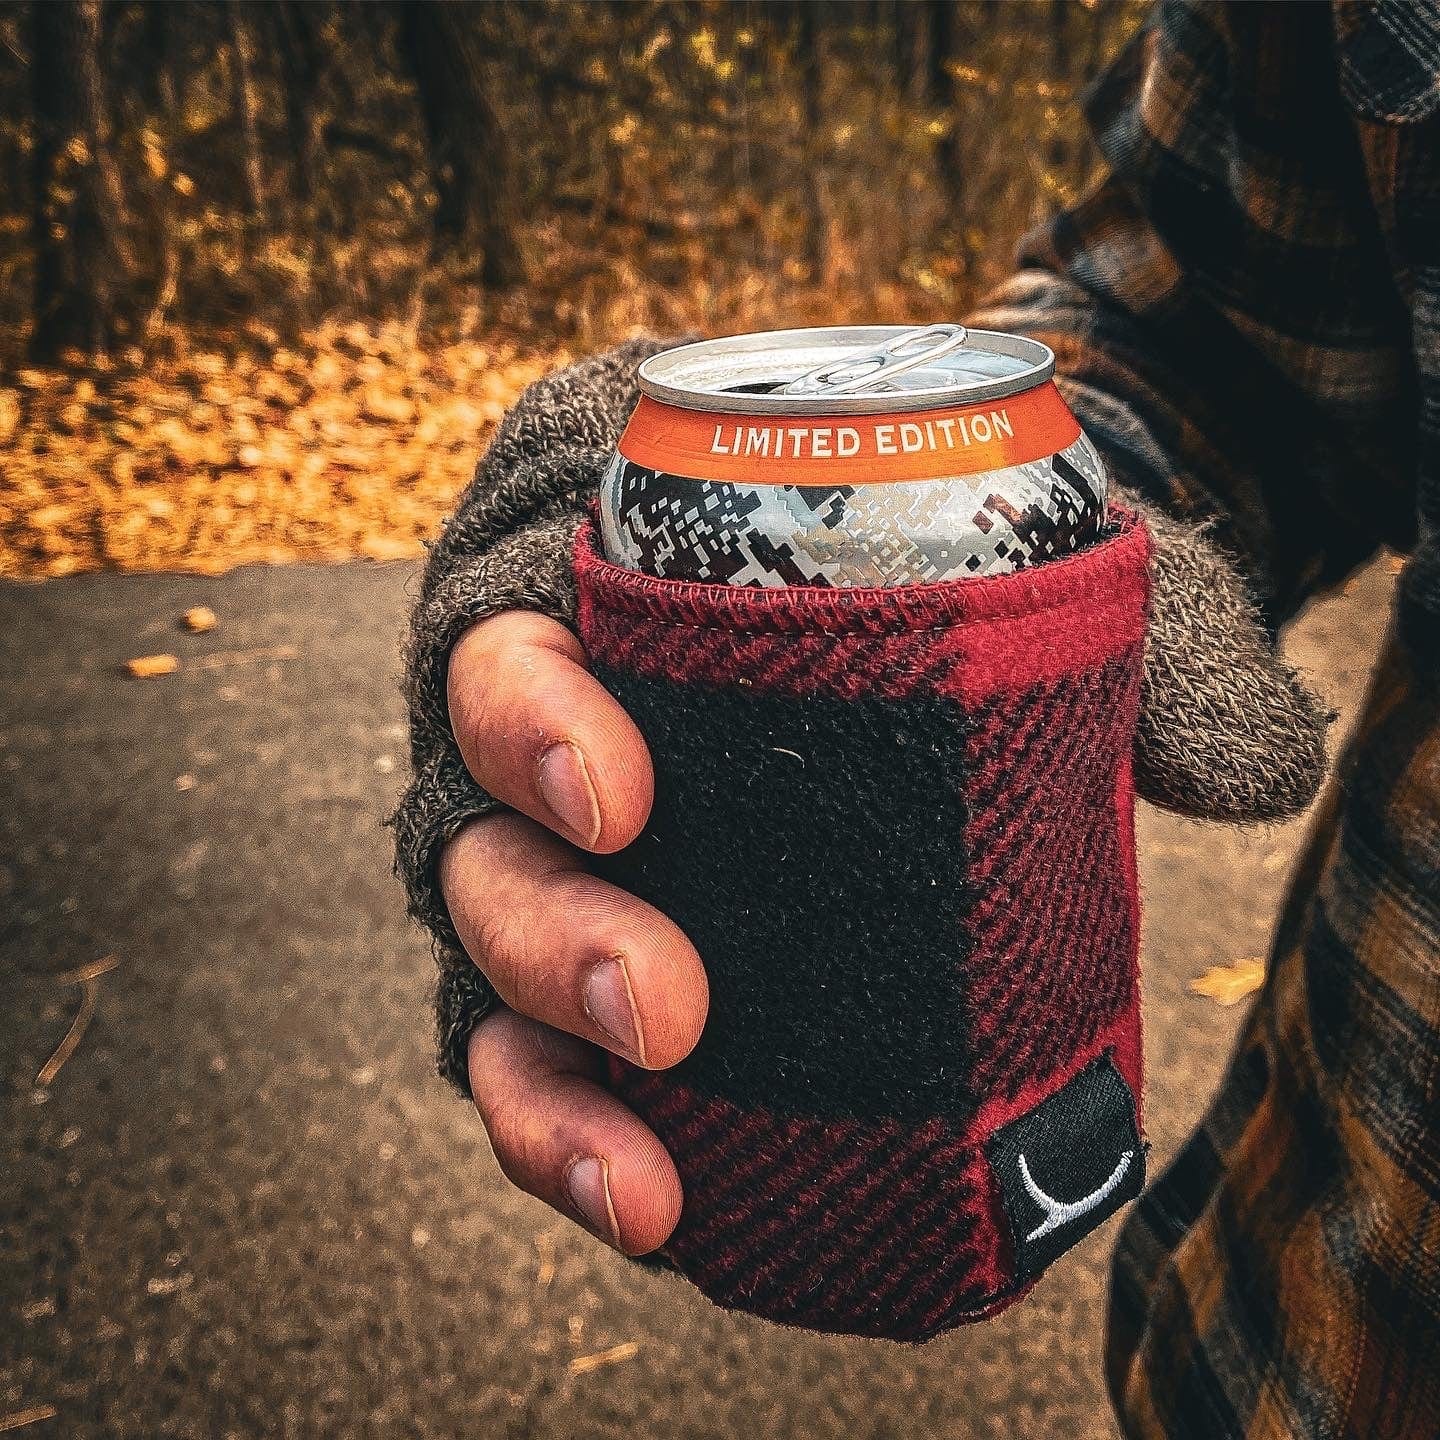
<point x="1227" y="730"/>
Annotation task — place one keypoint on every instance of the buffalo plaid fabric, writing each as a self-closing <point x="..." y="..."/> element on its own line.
<point x="1247" y="308"/>
<point x="919" y="1082"/>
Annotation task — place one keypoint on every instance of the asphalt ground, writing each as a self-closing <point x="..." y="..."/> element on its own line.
<point x="245" y="1206"/>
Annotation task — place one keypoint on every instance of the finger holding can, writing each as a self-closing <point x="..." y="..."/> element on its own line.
<point x="543" y="736"/>
<point x="567" y="949"/>
<point x="560" y="1136"/>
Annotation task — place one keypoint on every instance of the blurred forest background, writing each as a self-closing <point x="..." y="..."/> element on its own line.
<point x="269" y="271"/>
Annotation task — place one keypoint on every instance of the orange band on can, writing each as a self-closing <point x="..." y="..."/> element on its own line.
<point x="849" y="449"/>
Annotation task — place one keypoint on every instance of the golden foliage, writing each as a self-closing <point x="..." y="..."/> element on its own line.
<point x="672" y="168"/>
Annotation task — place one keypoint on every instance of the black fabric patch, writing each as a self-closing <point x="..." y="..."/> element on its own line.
<point x="1067" y="1165"/>
<point x="813" y="851"/>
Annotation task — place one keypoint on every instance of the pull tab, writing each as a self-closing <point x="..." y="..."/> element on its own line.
<point x="866" y="368"/>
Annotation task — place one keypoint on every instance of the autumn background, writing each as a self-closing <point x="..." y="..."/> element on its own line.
<point x="269" y="271"/>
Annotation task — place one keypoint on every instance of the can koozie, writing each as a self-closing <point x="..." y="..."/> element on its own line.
<point x="897" y="825"/>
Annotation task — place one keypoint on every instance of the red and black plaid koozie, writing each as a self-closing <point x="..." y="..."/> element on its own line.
<point x="898" y="827"/>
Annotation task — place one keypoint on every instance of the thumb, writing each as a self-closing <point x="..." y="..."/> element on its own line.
<point x="1228" y="731"/>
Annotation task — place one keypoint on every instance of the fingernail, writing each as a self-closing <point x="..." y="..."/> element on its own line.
<point x="565" y="787"/>
<point x="587" y="1182"/>
<point x="610" y="1003"/>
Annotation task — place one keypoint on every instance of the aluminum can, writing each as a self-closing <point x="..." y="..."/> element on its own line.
<point x="850" y="456"/>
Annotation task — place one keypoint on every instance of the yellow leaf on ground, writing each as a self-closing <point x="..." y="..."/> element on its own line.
<point x="389" y="547"/>
<point x="144" y="666"/>
<point x="1230" y="984"/>
<point x="200" y="618"/>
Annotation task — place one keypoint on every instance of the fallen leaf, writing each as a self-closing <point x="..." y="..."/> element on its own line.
<point x="145" y="666"/>
<point x="168" y="1284"/>
<point x="545" y="1271"/>
<point x="615" y="1355"/>
<point x="1230" y="984"/>
<point x="200" y="618"/>
<point x="389" y="547"/>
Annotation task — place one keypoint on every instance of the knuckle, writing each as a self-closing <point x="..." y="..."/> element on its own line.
<point x="481" y="852"/>
<point x="476" y="718"/>
<point x="511" y="1154"/>
<point x="499" y="955"/>
<point x="521" y="1150"/>
<point x="512" y="1164"/>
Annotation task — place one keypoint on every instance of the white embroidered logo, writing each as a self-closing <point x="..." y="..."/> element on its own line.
<point x="1061" y="1212"/>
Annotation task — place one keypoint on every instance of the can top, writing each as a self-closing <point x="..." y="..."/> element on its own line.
<point x="747" y="374"/>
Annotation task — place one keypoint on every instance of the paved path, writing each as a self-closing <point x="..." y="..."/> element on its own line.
<point x="245" y="1207"/>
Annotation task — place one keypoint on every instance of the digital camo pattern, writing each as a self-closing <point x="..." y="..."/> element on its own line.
<point x="907" y="533"/>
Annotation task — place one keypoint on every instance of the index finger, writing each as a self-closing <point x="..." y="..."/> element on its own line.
<point x="542" y="734"/>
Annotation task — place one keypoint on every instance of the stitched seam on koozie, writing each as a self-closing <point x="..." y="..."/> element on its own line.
<point x="886" y="625"/>
<point x="1119" y="560"/>
<point x="1091" y="609"/>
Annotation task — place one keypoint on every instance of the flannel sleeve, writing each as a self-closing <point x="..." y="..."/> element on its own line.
<point x="1225" y="323"/>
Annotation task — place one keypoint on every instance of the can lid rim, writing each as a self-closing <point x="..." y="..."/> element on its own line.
<point x="672" y="376"/>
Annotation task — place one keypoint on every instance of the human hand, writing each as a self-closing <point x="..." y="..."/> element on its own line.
<point x="581" y="966"/>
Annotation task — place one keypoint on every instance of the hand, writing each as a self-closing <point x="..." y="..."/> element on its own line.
<point x="581" y="965"/>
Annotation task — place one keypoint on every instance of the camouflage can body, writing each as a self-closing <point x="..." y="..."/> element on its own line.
<point x="963" y="462"/>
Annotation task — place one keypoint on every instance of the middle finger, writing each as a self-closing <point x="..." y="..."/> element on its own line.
<point x="568" y="949"/>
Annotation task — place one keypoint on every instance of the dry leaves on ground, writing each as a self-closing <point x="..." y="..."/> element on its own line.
<point x="354" y="444"/>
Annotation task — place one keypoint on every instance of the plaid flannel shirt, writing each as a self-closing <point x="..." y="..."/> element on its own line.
<point x="1247" y="311"/>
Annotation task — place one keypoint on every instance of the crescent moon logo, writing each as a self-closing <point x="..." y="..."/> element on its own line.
<point x="1061" y="1212"/>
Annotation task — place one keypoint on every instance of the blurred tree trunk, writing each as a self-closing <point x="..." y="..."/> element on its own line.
<point x="1060" y="78"/>
<point x="246" y="102"/>
<point x="469" y="159"/>
<point x="939" y="93"/>
<point x="904" y="37"/>
<point x="812" y="76"/>
<point x="295" y="25"/>
<point x="78" y="215"/>
<point x="157" y="82"/>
